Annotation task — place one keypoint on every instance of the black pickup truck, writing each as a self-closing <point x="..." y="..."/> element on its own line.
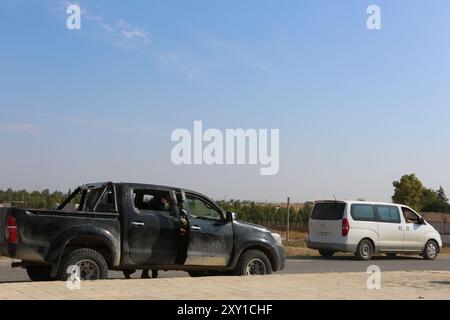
<point x="128" y="226"/>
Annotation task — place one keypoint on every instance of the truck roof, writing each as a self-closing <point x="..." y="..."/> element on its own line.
<point x="135" y="184"/>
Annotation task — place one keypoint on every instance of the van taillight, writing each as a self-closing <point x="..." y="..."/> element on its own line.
<point x="12" y="232"/>
<point x="345" y="227"/>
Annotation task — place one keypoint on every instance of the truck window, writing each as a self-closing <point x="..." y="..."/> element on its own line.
<point x="199" y="208"/>
<point x="106" y="202"/>
<point x="91" y="197"/>
<point x="152" y="200"/>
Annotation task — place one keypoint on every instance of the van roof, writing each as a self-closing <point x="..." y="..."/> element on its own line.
<point x="359" y="202"/>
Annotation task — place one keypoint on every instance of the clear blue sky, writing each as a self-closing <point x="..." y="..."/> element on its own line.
<point x="356" y="108"/>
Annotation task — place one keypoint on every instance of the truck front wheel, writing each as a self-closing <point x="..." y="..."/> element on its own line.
<point x="87" y="264"/>
<point x="253" y="262"/>
<point x="39" y="273"/>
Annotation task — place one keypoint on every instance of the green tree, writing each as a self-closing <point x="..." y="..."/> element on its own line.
<point x="430" y="201"/>
<point x="409" y="191"/>
<point x="443" y="200"/>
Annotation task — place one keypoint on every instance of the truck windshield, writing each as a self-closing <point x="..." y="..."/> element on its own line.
<point x="328" y="211"/>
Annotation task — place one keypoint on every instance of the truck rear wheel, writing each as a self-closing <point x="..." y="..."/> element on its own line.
<point x="90" y="264"/>
<point x="253" y="262"/>
<point x="39" y="273"/>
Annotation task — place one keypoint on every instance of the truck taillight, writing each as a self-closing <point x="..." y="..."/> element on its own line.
<point x="345" y="227"/>
<point x="12" y="232"/>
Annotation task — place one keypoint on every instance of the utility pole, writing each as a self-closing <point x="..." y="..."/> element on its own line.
<point x="287" y="221"/>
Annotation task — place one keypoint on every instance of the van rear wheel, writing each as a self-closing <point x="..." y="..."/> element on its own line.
<point x="326" y="253"/>
<point x="364" y="251"/>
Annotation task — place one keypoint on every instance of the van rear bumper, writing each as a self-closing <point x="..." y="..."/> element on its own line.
<point x="331" y="246"/>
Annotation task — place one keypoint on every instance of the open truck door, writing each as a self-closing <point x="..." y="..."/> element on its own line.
<point x="209" y="233"/>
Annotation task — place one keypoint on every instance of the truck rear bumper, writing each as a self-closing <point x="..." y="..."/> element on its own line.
<point x="341" y="247"/>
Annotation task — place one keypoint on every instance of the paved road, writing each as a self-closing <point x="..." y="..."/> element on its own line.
<point x="298" y="265"/>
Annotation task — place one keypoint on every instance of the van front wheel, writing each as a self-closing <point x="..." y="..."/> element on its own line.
<point x="431" y="250"/>
<point x="364" y="251"/>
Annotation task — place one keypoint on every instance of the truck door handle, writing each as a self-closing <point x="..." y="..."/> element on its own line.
<point x="137" y="223"/>
<point x="196" y="228"/>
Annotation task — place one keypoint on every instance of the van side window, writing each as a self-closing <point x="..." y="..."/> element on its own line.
<point x="410" y="216"/>
<point x="389" y="214"/>
<point x="151" y="200"/>
<point x="363" y="212"/>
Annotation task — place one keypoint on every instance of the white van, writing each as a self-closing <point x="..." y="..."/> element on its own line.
<point x="368" y="227"/>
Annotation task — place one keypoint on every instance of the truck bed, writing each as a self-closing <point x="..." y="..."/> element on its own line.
<point x="43" y="234"/>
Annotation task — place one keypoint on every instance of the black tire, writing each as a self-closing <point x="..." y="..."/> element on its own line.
<point x="391" y="255"/>
<point x="93" y="265"/>
<point x="431" y="250"/>
<point x="253" y="262"/>
<point x="39" y="273"/>
<point x="326" y="253"/>
<point x="364" y="251"/>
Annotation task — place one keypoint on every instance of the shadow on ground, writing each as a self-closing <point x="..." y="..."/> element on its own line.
<point x="352" y="258"/>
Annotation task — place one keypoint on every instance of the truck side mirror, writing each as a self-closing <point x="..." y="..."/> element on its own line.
<point x="421" y="220"/>
<point x="230" y="216"/>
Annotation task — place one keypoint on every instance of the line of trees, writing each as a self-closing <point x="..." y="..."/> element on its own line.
<point x="267" y="214"/>
<point x="409" y="190"/>
<point x="35" y="199"/>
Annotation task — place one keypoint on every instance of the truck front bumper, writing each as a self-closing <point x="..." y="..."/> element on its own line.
<point x="281" y="253"/>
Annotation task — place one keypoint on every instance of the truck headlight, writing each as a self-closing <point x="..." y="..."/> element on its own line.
<point x="277" y="238"/>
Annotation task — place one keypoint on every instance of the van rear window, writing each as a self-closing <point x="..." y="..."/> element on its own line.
<point x="328" y="211"/>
